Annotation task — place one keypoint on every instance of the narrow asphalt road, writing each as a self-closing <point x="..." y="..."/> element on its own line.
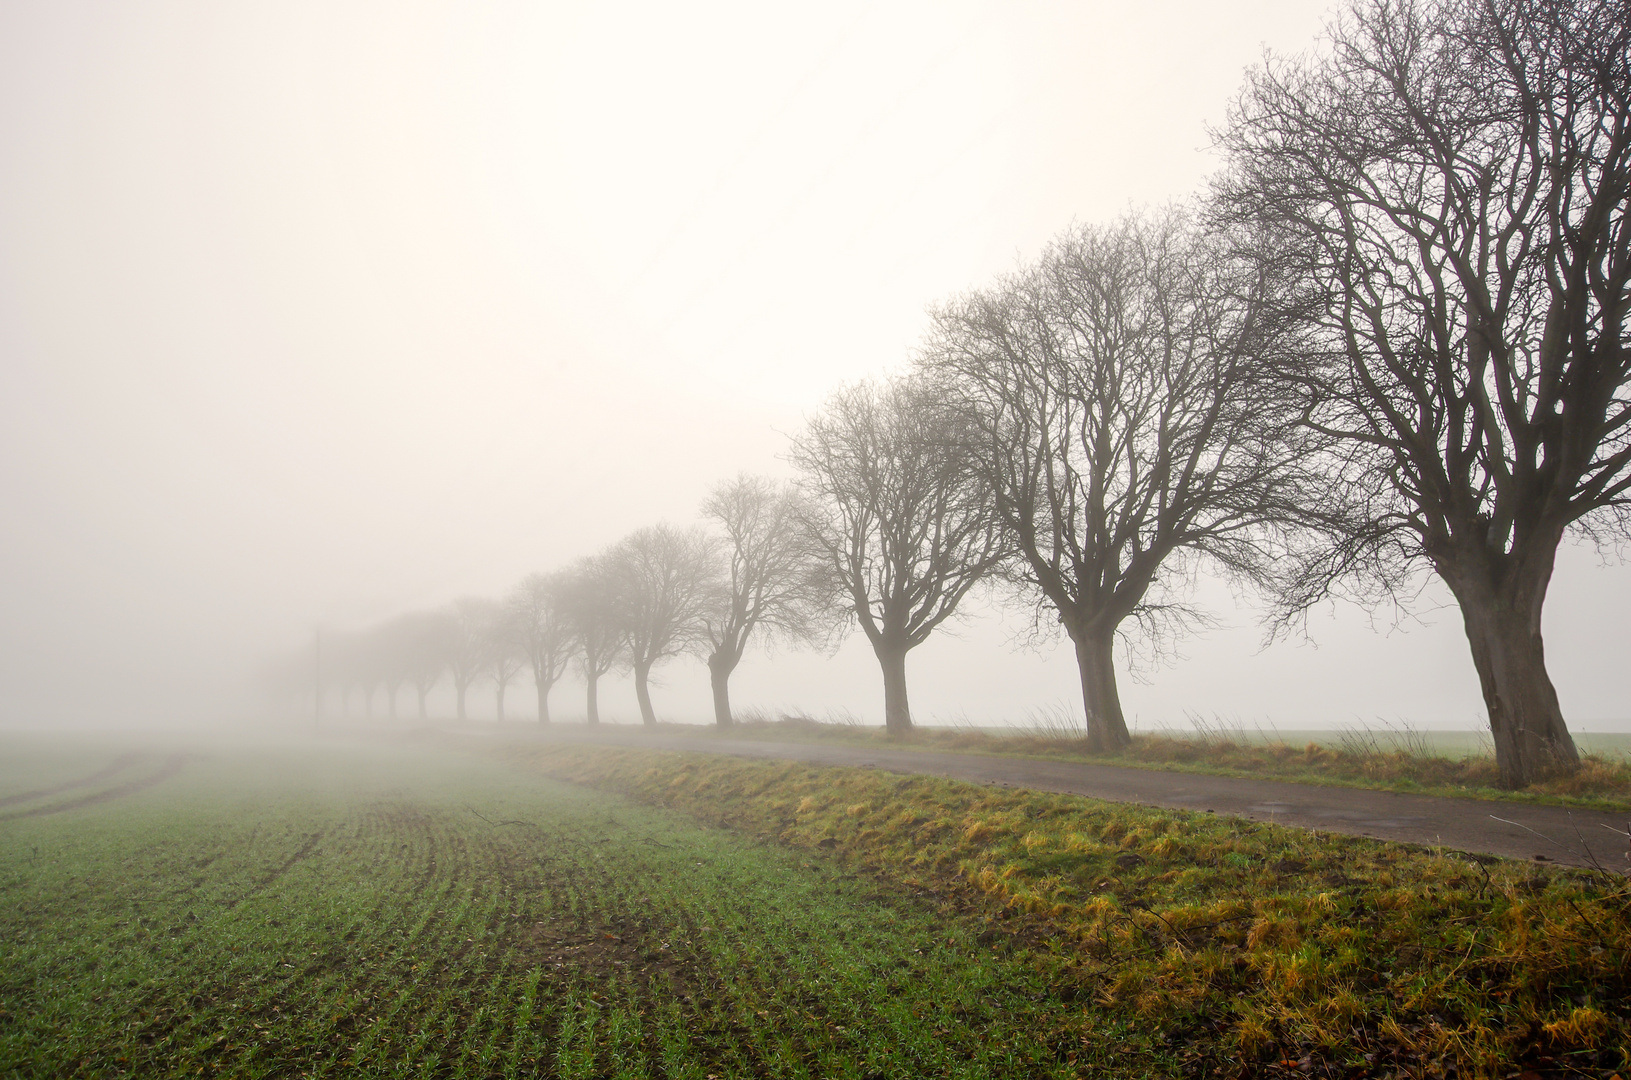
<point x="1510" y="829"/>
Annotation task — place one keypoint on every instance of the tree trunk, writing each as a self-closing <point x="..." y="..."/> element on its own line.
<point x="1525" y="719"/>
<point x="897" y="714"/>
<point x="500" y="702"/>
<point x="593" y="716"/>
<point x="543" y="701"/>
<point x="459" y="692"/>
<point x="642" y="692"/>
<point x="1101" y="702"/>
<point x="423" y="693"/>
<point x="720" y="665"/>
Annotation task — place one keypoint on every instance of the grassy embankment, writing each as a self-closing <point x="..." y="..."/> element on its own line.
<point x="1390" y="760"/>
<point x="1239" y="948"/>
<point x="399" y="914"/>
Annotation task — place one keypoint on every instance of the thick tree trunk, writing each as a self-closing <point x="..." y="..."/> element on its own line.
<point x="1101" y="702"/>
<point x="543" y="701"/>
<point x="720" y="666"/>
<point x="897" y="713"/>
<point x="459" y="693"/>
<point x="1525" y="719"/>
<point x="642" y="693"/>
<point x="500" y="702"/>
<point x="593" y="716"/>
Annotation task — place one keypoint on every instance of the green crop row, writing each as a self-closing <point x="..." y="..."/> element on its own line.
<point x="395" y="915"/>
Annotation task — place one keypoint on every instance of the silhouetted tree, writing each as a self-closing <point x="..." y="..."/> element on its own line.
<point x="544" y="631"/>
<point x="1449" y="182"/>
<point x="665" y="581"/>
<point x="900" y="517"/>
<point x="1119" y="425"/>
<point x="776" y="584"/>
<point x="588" y="601"/>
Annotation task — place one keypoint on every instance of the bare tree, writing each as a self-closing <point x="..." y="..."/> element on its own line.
<point x="421" y="640"/>
<point x="775" y="583"/>
<point x="900" y="518"/>
<point x="505" y="652"/>
<point x="1450" y="183"/>
<point x="588" y="602"/>
<point x="544" y="630"/>
<point x="468" y="641"/>
<point x="666" y="581"/>
<point x="1119" y="427"/>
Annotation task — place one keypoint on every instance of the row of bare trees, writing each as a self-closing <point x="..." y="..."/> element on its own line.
<point x="1391" y="339"/>
<point x="660" y="592"/>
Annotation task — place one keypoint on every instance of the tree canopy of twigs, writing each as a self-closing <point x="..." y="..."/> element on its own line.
<point x="1448" y="183"/>
<point x="665" y="580"/>
<point x="775" y="585"/>
<point x="899" y="515"/>
<point x="544" y="630"/>
<point x="1118" y="424"/>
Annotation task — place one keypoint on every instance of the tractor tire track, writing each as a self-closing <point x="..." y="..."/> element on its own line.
<point x="271" y="876"/>
<point x="172" y="765"/>
<point x="117" y="766"/>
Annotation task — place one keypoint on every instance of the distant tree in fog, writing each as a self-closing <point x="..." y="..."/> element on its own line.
<point x="469" y="643"/>
<point x="776" y="582"/>
<point x="422" y="642"/>
<point x="1121" y="424"/>
<point x="588" y="602"/>
<point x="544" y="631"/>
<point x="664" y="581"/>
<point x="900" y="516"/>
<point x="394" y="667"/>
<point x="506" y="654"/>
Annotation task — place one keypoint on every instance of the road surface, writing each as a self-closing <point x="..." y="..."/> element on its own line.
<point x="1510" y="829"/>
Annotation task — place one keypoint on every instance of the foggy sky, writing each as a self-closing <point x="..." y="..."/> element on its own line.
<point x="311" y="313"/>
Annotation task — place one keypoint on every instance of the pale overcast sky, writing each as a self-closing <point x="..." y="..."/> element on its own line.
<point x="313" y="312"/>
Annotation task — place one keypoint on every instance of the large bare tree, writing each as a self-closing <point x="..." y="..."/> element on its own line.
<point x="775" y="584"/>
<point x="666" y="580"/>
<point x="1449" y="180"/>
<point x="900" y="517"/>
<point x="544" y="630"/>
<point x="588" y="604"/>
<point x="1119" y="426"/>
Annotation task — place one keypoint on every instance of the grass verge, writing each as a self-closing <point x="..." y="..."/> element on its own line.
<point x="1389" y="761"/>
<point x="1241" y="948"/>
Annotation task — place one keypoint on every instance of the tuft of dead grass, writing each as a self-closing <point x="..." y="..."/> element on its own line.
<point x="1261" y="948"/>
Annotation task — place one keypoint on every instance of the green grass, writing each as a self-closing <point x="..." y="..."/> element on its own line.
<point x="420" y="913"/>
<point x="1249" y="949"/>
<point x="1397" y="759"/>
